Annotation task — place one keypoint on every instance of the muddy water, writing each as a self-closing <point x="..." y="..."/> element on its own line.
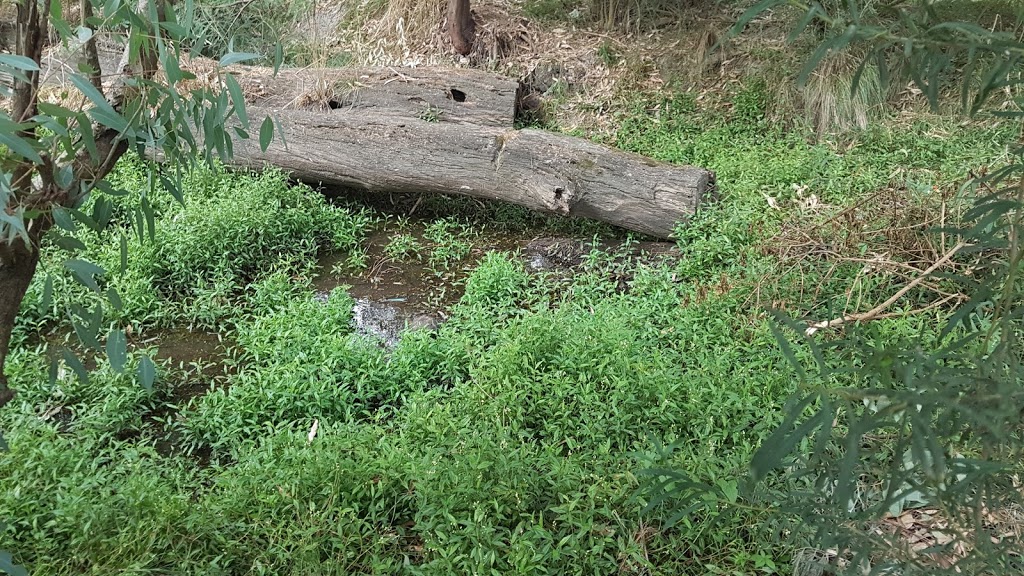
<point x="185" y="347"/>
<point x="393" y="296"/>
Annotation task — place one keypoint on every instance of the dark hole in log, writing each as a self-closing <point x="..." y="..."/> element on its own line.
<point x="558" y="193"/>
<point x="457" y="95"/>
<point x="334" y="104"/>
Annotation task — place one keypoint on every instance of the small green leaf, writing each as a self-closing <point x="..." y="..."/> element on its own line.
<point x="7" y="564"/>
<point x="729" y="490"/>
<point x="175" y="190"/>
<point x="21" y="147"/>
<point x="150" y="214"/>
<point x="87" y="137"/>
<point x="84" y="34"/>
<point x="278" y="57"/>
<point x="85" y="272"/>
<point x="90" y="92"/>
<point x="64" y="176"/>
<point x="69" y="243"/>
<point x="47" y="298"/>
<point x="280" y="132"/>
<point x="146" y="372"/>
<point x="76" y="366"/>
<point x="55" y="110"/>
<point x="172" y="70"/>
<point x="102" y="210"/>
<point x="54" y="370"/>
<point x="19" y="62"/>
<point x="124" y="252"/>
<point x="238" y="99"/>
<point x="58" y="21"/>
<point x="174" y="29"/>
<point x="117" y="350"/>
<point x="106" y="188"/>
<point x="115" y="299"/>
<point x="86" y="219"/>
<point x="110" y="119"/>
<point x="236" y="57"/>
<point x="266" y="133"/>
<point x="62" y="218"/>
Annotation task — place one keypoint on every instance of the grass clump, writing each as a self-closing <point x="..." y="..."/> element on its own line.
<point x="197" y="260"/>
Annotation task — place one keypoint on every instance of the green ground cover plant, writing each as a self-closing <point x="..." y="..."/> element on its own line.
<point x="512" y="440"/>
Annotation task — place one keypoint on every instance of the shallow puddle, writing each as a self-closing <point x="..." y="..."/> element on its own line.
<point x="184" y="347"/>
<point x="409" y="291"/>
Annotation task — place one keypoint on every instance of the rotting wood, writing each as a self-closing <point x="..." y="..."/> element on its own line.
<point x="451" y="131"/>
<point x="540" y="170"/>
<point x="460" y="95"/>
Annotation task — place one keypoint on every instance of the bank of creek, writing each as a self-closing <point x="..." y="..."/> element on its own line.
<point x="407" y="276"/>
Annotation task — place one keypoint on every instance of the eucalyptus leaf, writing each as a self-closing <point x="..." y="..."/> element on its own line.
<point x="146" y="372"/>
<point x="117" y="350"/>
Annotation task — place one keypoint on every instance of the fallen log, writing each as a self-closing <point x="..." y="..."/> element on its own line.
<point x="539" y="170"/>
<point x="460" y="95"/>
<point x="451" y="131"/>
<point x="446" y="131"/>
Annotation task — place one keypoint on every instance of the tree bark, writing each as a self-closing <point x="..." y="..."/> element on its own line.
<point x="17" y="267"/>
<point x="92" y="58"/>
<point x="461" y="27"/>
<point x="459" y="95"/>
<point x="539" y="170"/>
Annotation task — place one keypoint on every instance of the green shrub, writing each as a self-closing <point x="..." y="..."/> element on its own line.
<point x="498" y="284"/>
<point x="233" y="230"/>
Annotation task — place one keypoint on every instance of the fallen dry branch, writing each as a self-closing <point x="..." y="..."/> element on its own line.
<point x="875" y="312"/>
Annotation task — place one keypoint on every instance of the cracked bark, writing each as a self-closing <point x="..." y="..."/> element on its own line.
<point x="461" y="27"/>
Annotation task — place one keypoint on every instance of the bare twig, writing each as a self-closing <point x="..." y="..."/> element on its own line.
<point x="877" y="310"/>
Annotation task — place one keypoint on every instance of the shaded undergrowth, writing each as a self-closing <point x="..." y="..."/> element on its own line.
<point x="508" y="440"/>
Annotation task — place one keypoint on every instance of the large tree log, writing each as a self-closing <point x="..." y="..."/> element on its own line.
<point x="451" y="131"/>
<point x="460" y="95"/>
<point x="536" y="169"/>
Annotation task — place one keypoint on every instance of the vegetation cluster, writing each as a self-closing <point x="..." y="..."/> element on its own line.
<point x="598" y="423"/>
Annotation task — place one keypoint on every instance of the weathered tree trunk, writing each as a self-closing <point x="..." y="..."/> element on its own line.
<point x="461" y="27"/>
<point x="17" y="266"/>
<point x="451" y="131"/>
<point x="536" y="169"/>
<point x="455" y="95"/>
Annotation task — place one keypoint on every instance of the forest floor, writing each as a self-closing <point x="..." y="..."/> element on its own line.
<point x="297" y="427"/>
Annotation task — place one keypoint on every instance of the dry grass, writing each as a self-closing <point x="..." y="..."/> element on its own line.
<point x="886" y="236"/>
<point x="830" y="102"/>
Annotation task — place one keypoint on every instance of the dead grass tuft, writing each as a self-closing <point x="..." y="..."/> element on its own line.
<point x="887" y="236"/>
<point x="830" y="102"/>
<point x="318" y="96"/>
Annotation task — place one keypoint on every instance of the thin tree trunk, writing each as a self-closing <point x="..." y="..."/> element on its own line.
<point x="461" y="27"/>
<point x="17" y="266"/>
<point x="92" y="57"/>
